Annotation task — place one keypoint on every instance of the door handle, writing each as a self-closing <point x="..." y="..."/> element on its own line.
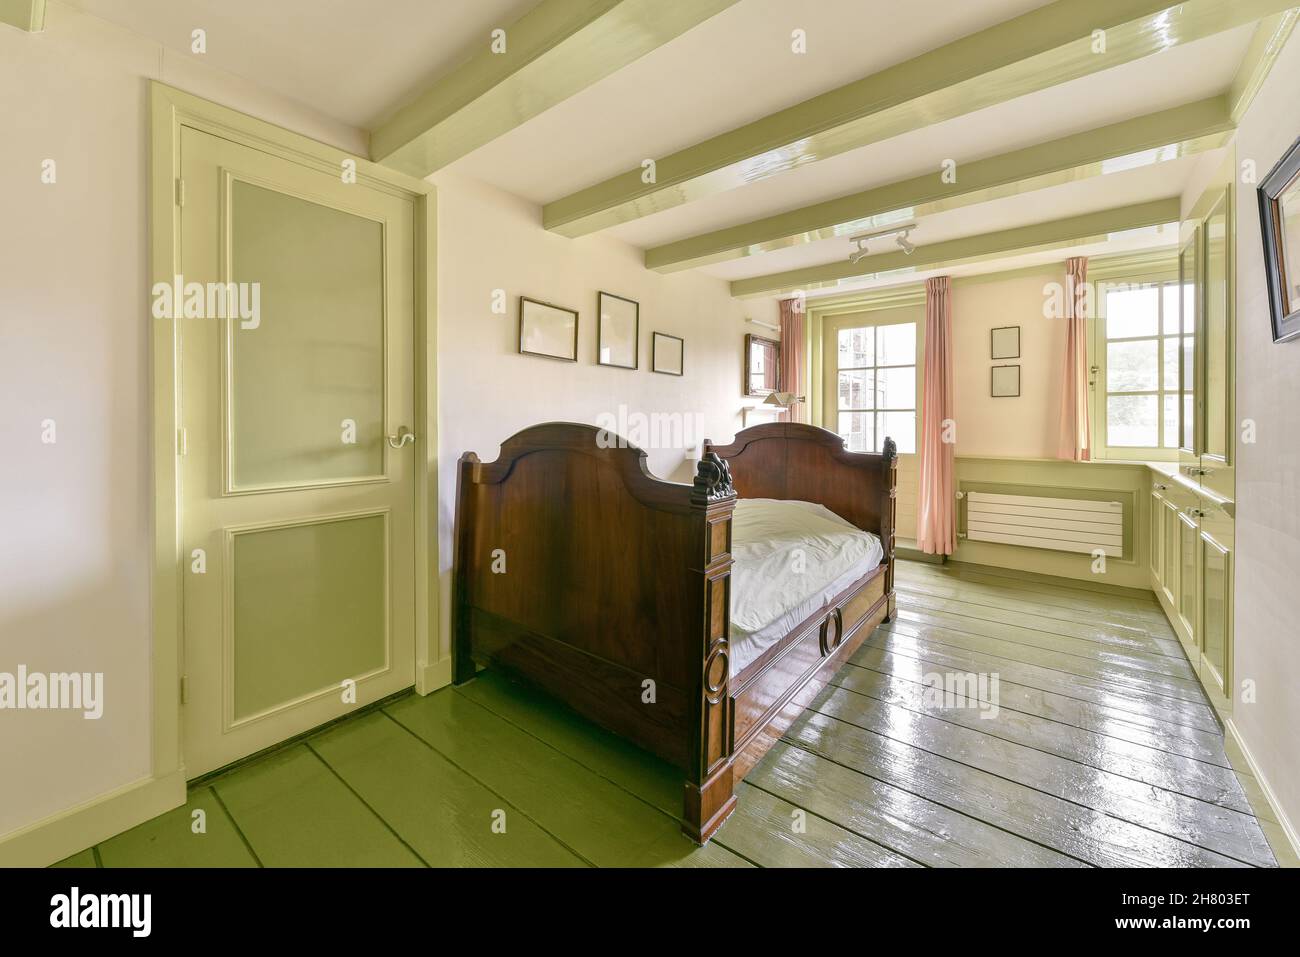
<point x="403" y="436"/>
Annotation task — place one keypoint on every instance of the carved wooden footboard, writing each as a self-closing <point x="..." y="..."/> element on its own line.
<point x="609" y="588"/>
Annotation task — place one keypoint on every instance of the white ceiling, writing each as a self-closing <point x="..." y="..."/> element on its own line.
<point x="1178" y="75"/>
<point x="733" y="68"/>
<point x="357" y="62"/>
<point x="1160" y="181"/>
<point x="353" y="60"/>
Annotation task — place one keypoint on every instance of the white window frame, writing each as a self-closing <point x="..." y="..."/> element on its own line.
<point x="1100" y="392"/>
<point x="864" y="321"/>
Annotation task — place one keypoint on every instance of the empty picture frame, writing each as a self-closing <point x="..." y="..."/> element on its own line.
<point x="667" y="354"/>
<point x="547" y="330"/>
<point x="618" y="323"/>
<point x="1005" y="342"/>
<point x="1006" y="382"/>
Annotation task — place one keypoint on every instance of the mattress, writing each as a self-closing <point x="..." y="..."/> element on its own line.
<point x="790" y="560"/>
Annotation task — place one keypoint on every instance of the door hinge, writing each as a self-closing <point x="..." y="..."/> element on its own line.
<point x="185" y="688"/>
<point x="182" y="442"/>
<point x="180" y="191"/>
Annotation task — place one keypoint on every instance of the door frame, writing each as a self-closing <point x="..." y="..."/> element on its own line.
<point x="171" y="110"/>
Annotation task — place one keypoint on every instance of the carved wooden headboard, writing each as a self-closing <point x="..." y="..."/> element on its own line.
<point x="790" y="460"/>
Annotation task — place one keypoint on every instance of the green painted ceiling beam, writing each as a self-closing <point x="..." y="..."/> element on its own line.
<point x="1061" y="232"/>
<point x="1036" y="50"/>
<point x="1271" y="35"/>
<point x="1141" y="141"/>
<point x="26" y="15"/>
<point x="556" y="49"/>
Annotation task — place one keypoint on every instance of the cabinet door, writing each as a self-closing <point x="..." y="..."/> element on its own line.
<point x="1188" y="604"/>
<point x="1189" y="272"/>
<point x="1216" y="579"/>
<point x="1157" y="537"/>
<point x="1169" y="553"/>
<point x="1215" y="341"/>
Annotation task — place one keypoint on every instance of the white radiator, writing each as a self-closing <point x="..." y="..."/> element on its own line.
<point x="1061" y="524"/>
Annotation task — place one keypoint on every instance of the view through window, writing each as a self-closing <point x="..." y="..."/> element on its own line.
<point x="1142" y="341"/>
<point x="876" y="387"/>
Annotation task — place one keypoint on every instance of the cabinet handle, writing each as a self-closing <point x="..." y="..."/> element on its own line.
<point x="1161" y="488"/>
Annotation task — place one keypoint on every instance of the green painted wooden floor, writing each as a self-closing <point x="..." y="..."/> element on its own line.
<point x="1103" y="752"/>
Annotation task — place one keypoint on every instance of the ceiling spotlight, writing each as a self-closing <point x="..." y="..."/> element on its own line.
<point x="858" y="254"/>
<point x="907" y="247"/>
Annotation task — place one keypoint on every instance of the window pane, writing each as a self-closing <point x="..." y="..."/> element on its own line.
<point x="1132" y="421"/>
<point x="857" y="430"/>
<point x="1171" y="421"/>
<point x="901" y="427"/>
<point x="857" y="347"/>
<point x="896" y="388"/>
<point x="1132" y="312"/>
<point x="1188" y="423"/>
<point x="896" y="345"/>
<point x="857" y="390"/>
<point x="1170" y="379"/>
<point x="1133" y="366"/>
<point x="1173" y="295"/>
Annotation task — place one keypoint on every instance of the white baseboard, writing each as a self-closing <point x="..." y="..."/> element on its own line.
<point x="60" y="835"/>
<point x="434" y="675"/>
<point x="1287" y="830"/>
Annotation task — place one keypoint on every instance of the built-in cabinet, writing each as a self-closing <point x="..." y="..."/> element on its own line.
<point x="1192" y="504"/>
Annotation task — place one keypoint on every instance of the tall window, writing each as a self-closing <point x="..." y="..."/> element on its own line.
<point x="876" y="372"/>
<point x="1141" y="341"/>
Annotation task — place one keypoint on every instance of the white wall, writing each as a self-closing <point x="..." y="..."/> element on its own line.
<point x="1267" y="638"/>
<point x="75" y="545"/>
<point x="1023" y="427"/>
<point x="487" y="391"/>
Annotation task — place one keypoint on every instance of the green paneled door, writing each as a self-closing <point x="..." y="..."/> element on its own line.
<point x="298" y="490"/>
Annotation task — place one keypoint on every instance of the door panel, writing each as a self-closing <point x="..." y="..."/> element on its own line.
<point x="1187" y="583"/>
<point x="321" y="362"/>
<point x="1214" y="343"/>
<point x="303" y="510"/>
<point x="1156" y="539"/>
<point x="1170" y="554"/>
<point x="1217" y="585"/>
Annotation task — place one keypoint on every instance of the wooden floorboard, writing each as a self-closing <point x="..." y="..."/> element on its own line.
<point x="1095" y="746"/>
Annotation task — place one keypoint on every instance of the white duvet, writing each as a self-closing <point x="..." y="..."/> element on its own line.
<point x="790" y="559"/>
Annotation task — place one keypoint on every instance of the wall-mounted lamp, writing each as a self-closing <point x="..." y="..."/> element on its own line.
<point x="784" y="399"/>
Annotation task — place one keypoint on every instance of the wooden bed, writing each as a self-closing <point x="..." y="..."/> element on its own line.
<point x="610" y="589"/>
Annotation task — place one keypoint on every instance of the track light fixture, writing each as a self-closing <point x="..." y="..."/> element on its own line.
<point x="900" y="233"/>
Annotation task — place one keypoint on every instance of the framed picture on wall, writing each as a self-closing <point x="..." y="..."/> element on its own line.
<point x="618" y="323"/>
<point x="547" y="330"/>
<point x="667" y="354"/>
<point x="1279" y="221"/>
<point x="1006" y="382"/>
<point x="1005" y="342"/>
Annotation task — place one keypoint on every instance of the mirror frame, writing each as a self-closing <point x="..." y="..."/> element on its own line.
<point x="750" y="340"/>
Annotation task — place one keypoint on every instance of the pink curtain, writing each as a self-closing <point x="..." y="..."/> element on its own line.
<point x="792" y="355"/>
<point x="936" y="519"/>
<point x="1074" y="443"/>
